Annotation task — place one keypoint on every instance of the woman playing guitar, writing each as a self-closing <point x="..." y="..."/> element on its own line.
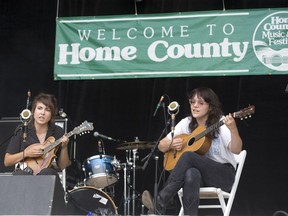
<point x="216" y="167"/>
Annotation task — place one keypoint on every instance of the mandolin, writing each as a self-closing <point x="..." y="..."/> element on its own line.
<point x="199" y="140"/>
<point x="49" y="150"/>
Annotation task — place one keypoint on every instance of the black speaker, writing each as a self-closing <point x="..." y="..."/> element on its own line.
<point x="31" y="195"/>
<point x="7" y="128"/>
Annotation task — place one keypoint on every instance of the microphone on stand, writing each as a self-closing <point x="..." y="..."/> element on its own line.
<point x="100" y="150"/>
<point x="173" y="110"/>
<point x="96" y="134"/>
<point x="158" y="105"/>
<point x="25" y="116"/>
<point x="62" y="113"/>
<point x="28" y="99"/>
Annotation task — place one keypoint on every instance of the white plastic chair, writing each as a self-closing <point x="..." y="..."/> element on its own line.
<point x="225" y="198"/>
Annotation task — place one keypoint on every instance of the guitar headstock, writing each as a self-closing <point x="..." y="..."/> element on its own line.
<point x="245" y="113"/>
<point x="84" y="127"/>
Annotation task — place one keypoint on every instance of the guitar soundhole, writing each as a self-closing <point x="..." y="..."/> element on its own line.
<point x="191" y="141"/>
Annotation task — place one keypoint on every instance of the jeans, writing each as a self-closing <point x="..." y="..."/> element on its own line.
<point x="191" y="172"/>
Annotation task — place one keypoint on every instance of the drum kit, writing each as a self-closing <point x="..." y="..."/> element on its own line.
<point x="101" y="175"/>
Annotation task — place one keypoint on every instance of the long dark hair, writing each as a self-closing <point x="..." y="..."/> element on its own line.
<point x="215" y="107"/>
<point x="48" y="100"/>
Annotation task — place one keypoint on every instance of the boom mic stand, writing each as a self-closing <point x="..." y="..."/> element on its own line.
<point x="164" y="131"/>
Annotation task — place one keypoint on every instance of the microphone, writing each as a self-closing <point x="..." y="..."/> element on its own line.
<point x="62" y="113"/>
<point x="173" y="110"/>
<point x="25" y="114"/>
<point x="25" y="118"/>
<point x="173" y="107"/>
<point x="28" y="99"/>
<point x="96" y="134"/>
<point x="158" y="105"/>
<point x="100" y="150"/>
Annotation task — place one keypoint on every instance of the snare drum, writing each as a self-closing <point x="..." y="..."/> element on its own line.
<point x="89" y="199"/>
<point x="99" y="172"/>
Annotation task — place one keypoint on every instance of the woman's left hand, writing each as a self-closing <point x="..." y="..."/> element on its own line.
<point x="229" y="121"/>
<point x="64" y="140"/>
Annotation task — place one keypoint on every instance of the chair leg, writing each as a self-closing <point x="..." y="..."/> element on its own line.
<point x="221" y="200"/>
<point x="180" y="194"/>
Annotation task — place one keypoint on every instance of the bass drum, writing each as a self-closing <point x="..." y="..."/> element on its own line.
<point x="85" y="200"/>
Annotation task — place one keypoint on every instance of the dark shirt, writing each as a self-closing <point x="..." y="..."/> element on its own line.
<point x="17" y="144"/>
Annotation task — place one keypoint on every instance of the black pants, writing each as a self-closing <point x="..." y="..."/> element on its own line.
<point x="191" y="172"/>
<point x="45" y="171"/>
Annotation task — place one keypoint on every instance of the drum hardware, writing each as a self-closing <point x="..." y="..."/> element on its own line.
<point x="110" y="190"/>
<point x="116" y="163"/>
<point x="135" y="145"/>
<point x="134" y="181"/>
<point x="130" y="193"/>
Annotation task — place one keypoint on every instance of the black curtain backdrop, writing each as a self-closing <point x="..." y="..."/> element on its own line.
<point x="123" y="109"/>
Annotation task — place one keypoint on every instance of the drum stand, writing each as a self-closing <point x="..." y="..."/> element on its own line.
<point x="134" y="181"/>
<point x="127" y="180"/>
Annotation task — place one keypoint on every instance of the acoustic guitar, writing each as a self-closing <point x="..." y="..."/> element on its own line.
<point x="49" y="149"/>
<point x="199" y="140"/>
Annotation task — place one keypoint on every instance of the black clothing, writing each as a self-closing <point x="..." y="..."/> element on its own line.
<point x="17" y="143"/>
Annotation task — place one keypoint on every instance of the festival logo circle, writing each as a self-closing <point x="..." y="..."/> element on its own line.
<point x="270" y="41"/>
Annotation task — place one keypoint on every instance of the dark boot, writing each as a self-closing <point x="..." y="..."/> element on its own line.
<point x="148" y="203"/>
<point x="168" y="192"/>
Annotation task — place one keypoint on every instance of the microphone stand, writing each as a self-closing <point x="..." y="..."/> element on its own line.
<point x="165" y="117"/>
<point x="156" y="163"/>
<point x="164" y="131"/>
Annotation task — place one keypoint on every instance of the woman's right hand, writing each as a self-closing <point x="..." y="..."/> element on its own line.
<point x="34" y="150"/>
<point x="177" y="144"/>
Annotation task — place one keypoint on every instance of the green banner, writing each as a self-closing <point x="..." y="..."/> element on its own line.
<point x="214" y="43"/>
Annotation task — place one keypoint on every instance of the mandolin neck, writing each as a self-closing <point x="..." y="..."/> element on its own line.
<point x="56" y="143"/>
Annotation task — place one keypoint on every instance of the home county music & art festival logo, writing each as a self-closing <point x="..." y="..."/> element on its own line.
<point x="270" y="41"/>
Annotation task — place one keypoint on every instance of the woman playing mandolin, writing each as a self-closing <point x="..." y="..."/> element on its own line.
<point x="26" y="147"/>
<point x="215" y="168"/>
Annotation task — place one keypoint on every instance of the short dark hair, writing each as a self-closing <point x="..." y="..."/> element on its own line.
<point x="48" y="100"/>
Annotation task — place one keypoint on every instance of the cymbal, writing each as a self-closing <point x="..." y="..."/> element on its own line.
<point x="135" y="145"/>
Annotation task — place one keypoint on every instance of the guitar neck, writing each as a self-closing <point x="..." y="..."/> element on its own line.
<point x="56" y="143"/>
<point x="209" y="130"/>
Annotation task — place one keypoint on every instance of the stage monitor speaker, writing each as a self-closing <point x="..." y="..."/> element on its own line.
<point x="31" y="195"/>
<point x="7" y="130"/>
